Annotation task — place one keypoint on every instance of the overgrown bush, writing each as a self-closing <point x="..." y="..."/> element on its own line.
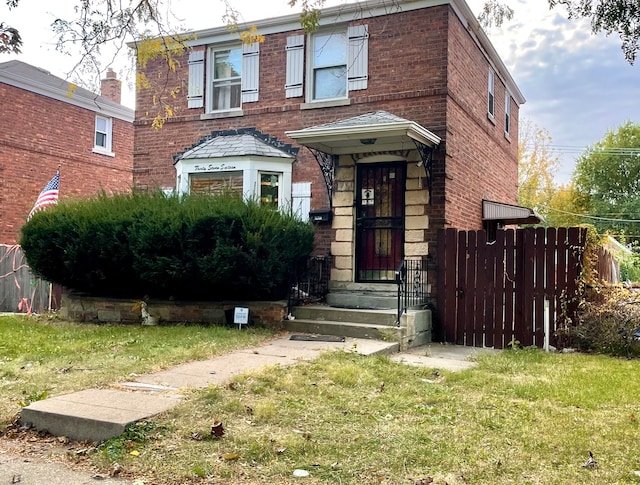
<point x="189" y="247"/>
<point x="607" y="322"/>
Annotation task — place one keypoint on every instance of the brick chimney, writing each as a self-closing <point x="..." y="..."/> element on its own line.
<point x="111" y="87"/>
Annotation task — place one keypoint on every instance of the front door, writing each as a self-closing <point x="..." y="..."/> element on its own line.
<point x="379" y="221"/>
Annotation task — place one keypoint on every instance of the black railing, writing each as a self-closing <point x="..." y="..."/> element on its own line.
<point x="310" y="283"/>
<point x="413" y="288"/>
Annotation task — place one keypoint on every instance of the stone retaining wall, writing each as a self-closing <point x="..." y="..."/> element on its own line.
<point x="80" y="308"/>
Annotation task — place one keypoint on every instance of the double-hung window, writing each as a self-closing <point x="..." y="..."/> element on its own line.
<point x="507" y="114"/>
<point x="336" y="61"/>
<point x="491" y="100"/>
<point x="329" y="65"/>
<point x="226" y="79"/>
<point x="103" y="134"/>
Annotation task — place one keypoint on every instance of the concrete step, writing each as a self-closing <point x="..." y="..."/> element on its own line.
<point x="346" y="294"/>
<point x="324" y="313"/>
<point x="347" y="329"/>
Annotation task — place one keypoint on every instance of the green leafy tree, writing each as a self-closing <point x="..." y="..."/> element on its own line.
<point x="607" y="182"/>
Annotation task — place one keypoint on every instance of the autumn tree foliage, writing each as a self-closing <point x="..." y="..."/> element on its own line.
<point x="537" y="166"/>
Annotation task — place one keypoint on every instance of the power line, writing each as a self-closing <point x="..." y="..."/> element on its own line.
<point x="574" y="149"/>
<point x="586" y="216"/>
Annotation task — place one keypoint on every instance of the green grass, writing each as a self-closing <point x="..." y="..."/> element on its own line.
<point x="41" y="357"/>
<point x="518" y="417"/>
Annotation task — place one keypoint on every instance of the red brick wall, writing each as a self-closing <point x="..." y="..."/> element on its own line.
<point x="423" y="66"/>
<point x="407" y="76"/>
<point x="37" y="134"/>
<point x="481" y="163"/>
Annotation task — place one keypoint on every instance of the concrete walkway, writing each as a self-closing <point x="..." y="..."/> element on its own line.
<point x="99" y="414"/>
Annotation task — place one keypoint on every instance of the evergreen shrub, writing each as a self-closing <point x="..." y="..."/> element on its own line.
<point x="192" y="247"/>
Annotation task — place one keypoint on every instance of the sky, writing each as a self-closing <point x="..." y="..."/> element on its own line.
<point x="577" y="86"/>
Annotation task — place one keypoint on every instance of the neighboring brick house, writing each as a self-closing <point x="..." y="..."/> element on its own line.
<point x="389" y="122"/>
<point x="47" y="123"/>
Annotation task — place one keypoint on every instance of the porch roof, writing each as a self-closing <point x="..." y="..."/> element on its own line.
<point x="508" y="213"/>
<point x="370" y="132"/>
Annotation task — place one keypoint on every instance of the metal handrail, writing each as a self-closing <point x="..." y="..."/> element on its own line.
<point x="310" y="283"/>
<point x="412" y="290"/>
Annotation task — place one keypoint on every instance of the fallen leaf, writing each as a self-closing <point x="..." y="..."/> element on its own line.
<point x="230" y="456"/>
<point x="135" y="453"/>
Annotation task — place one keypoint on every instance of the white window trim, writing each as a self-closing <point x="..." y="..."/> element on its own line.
<point x="251" y="168"/>
<point x="311" y="66"/>
<point x="259" y="189"/>
<point x="491" y="98"/>
<point x="357" y="62"/>
<point x="507" y="115"/>
<point x="211" y="51"/>
<point x="106" y="150"/>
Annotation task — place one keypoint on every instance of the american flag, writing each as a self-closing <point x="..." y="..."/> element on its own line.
<point x="48" y="196"/>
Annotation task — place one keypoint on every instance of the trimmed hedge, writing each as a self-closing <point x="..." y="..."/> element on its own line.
<point x="149" y="244"/>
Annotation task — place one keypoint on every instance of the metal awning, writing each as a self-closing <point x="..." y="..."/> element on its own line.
<point x="508" y="214"/>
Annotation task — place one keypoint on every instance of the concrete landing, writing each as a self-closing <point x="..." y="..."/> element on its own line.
<point x="442" y="356"/>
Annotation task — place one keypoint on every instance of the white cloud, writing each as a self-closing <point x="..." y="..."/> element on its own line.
<point x="577" y="85"/>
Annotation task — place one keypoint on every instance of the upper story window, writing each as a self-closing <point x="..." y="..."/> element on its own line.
<point x="329" y="59"/>
<point x="103" y="134"/>
<point x="491" y="102"/>
<point x="336" y="64"/>
<point x="232" y="77"/>
<point x="507" y="114"/>
<point x="226" y="79"/>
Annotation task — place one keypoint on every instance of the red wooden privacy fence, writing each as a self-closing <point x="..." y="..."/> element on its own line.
<point x="494" y="293"/>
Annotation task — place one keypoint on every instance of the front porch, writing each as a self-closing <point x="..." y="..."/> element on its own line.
<point x="377" y="169"/>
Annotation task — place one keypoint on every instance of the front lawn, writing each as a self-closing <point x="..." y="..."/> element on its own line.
<point x="518" y="417"/>
<point x="43" y="356"/>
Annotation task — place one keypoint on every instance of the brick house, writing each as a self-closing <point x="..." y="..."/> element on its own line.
<point x="47" y="123"/>
<point x="387" y="124"/>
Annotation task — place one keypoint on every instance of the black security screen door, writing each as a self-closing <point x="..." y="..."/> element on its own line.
<point x="379" y="221"/>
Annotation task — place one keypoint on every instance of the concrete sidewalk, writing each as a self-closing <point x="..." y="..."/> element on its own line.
<point x="99" y="414"/>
